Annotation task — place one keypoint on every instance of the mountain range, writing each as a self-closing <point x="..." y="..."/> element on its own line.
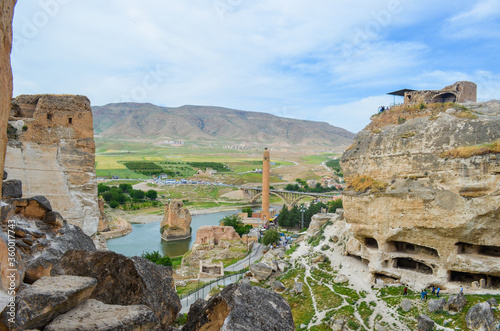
<point x="213" y="125"/>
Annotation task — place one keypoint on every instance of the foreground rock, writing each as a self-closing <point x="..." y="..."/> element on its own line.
<point x="480" y="317"/>
<point x="46" y="299"/>
<point x="436" y="305"/>
<point x="95" y="315"/>
<point x="457" y="302"/>
<point x="125" y="281"/>
<point x="242" y="307"/>
<point x="425" y="323"/>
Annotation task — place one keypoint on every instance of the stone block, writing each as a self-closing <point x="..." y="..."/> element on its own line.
<point x="12" y="189"/>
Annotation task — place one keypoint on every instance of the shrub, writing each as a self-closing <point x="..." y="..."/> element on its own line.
<point x="362" y="184"/>
<point x="270" y="237"/>
<point x="157" y="258"/>
<point x="468" y="151"/>
<point x="114" y="204"/>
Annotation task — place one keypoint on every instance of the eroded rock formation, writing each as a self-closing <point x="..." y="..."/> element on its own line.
<point x="459" y="92"/>
<point x="176" y="223"/>
<point x="53" y="154"/>
<point x="419" y="214"/>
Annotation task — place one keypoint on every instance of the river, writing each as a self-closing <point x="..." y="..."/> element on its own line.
<point x="147" y="238"/>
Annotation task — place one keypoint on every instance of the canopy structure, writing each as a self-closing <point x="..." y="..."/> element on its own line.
<point x="400" y="93"/>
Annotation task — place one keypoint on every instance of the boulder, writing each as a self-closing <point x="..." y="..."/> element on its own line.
<point x="320" y="259"/>
<point x="457" y="302"/>
<point x="47" y="298"/>
<point x="125" y="281"/>
<point x="298" y="287"/>
<point x="12" y="189"/>
<point x="436" y="305"/>
<point x="337" y="325"/>
<point x="95" y="315"/>
<point x="261" y="271"/>
<point x="242" y="307"/>
<point x="283" y="266"/>
<point x="40" y="257"/>
<point x="493" y="302"/>
<point x="480" y="317"/>
<point x="335" y="239"/>
<point x="278" y="286"/>
<point x="341" y="279"/>
<point x="425" y="323"/>
<point x="274" y="265"/>
<point x="405" y="305"/>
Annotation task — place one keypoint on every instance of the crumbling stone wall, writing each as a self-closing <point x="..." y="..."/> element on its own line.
<point x="176" y="223"/>
<point x="53" y="154"/>
<point x="459" y="92"/>
<point x="212" y="234"/>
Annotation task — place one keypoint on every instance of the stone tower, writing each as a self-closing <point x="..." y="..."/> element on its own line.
<point x="176" y="223"/>
<point x="266" y="171"/>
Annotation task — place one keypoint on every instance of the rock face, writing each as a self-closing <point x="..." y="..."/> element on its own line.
<point x="212" y="234"/>
<point x="176" y="223"/>
<point x="480" y="317"/>
<point x="125" y="281"/>
<point x="418" y="214"/>
<point x="54" y="154"/>
<point x="241" y="307"/>
<point x="95" y="315"/>
<point x="48" y="298"/>
<point x="7" y="10"/>
<point x="103" y="220"/>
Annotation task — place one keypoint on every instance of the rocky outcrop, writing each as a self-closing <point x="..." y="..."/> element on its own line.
<point x="176" y="223"/>
<point x="125" y="281"/>
<point x="480" y="318"/>
<point x="241" y="307"/>
<point x="95" y="315"/>
<point x="7" y="10"/>
<point x="417" y="212"/>
<point x="317" y="221"/>
<point x="54" y="154"/>
<point x="47" y="298"/>
<point x="213" y="235"/>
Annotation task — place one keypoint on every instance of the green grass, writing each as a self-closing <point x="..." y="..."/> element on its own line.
<point x="316" y="159"/>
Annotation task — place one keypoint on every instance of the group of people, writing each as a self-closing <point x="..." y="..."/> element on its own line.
<point x="381" y="109"/>
<point x="423" y="293"/>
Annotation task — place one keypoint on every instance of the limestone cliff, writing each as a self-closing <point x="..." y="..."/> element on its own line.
<point x="7" y="10"/>
<point x="176" y="223"/>
<point x="52" y="153"/>
<point x="423" y="197"/>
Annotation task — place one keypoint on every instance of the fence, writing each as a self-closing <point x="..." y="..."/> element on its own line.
<point x="202" y="291"/>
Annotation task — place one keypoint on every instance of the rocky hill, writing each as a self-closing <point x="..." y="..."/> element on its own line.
<point x="423" y="194"/>
<point x="212" y="124"/>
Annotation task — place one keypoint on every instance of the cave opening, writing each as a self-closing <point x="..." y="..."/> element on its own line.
<point x="371" y="242"/>
<point x="410" y="264"/>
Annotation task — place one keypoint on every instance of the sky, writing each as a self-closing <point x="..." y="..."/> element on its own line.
<point x="324" y="60"/>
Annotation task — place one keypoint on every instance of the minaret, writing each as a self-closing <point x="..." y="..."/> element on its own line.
<point x="266" y="171"/>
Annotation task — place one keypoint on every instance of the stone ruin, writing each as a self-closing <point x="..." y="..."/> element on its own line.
<point x="176" y="223"/>
<point x="51" y="150"/>
<point x="459" y="92"/>
<point x="211" y="270"/>
<point x="213" y="235"/>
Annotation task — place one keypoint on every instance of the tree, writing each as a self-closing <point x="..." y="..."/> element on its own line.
<point x="270" y="237"/>
<point x="295" y="216"/>
<point x="247" y="210"/>
<point x="334" y="205"/>
<point x="283" y="217"/>
<point x="101" y="188"/>
<point x="156" y="257"/>
<point x="114" y="204"/>
<point x="151" y="194"/>
<point x="236" y="223"/>
<point x="137" y="194"/>
<point x="126" y="188"/>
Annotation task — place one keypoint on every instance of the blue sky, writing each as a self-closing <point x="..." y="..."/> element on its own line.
<point x="331" y="61"/>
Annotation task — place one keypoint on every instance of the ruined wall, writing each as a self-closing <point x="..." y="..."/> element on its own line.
<point x="434" y="219"/>
<point x="212" y="234"/>
<point x="7" y="10"/>
<point x="459" y="92"/>
<point x="53" y="154"/>
<point x="176" y="222"/>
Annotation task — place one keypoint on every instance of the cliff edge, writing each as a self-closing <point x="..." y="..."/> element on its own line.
<point x="423" y="194"/>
